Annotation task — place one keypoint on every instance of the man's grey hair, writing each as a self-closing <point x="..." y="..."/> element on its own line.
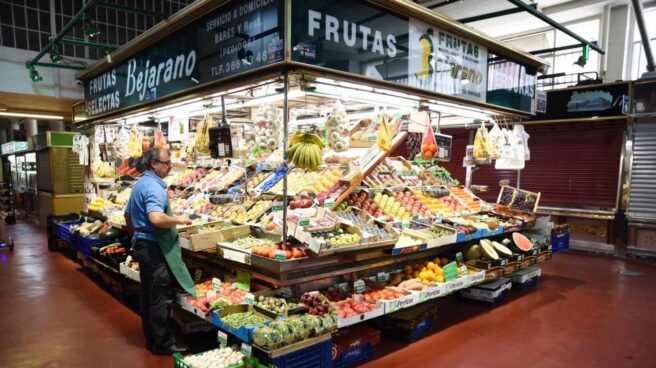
<point x="151" y="156"/>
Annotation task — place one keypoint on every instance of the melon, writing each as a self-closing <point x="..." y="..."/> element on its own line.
<point x="521" y="242"/>
<point x="488" y="252"/>
<point x="501" y="249"/>
<point x="474" y="252"/>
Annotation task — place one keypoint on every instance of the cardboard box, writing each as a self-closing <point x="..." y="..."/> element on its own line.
<point x="226" y="250"/>
<point x="129" y="272"/>
<point x="196" y="240"/>
<point x="433" y="292"/>
<point x="343" y="322"/>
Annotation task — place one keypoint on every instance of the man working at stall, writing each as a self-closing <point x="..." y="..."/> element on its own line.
<point x="156" y="247"/>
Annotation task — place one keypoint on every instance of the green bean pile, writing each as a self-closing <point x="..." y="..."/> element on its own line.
<point x="238" y="320"/>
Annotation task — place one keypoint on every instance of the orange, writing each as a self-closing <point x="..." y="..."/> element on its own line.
<point x="407" y="270"/>
<point x="431" y="266"/>
<point x="439" y="278"/>
<point x="444" y="261"/>
<point x="423" y="275"/>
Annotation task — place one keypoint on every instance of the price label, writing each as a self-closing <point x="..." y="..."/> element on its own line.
<point x="382" y="276"/>
<point x="198" y="274"/>
<point x="128" y="260"/>
<point x="277" y="206"/>
<point x="415" y="217"/>
<point x="459" y="256"/>
<point x="250" y="298"/>
<point x="304" y="221"/>
<point x="216" y="284"/>
<point x="329" y="203"/>
<point x="359" y="286"/>
<point x="222" y="338"/>
<point x="405" y="225"/>
<point x="279" y="255"/>
<point x="243" y="281"/>
<point x="246" y="349"/>
<point x="210" y="294"/>
<point x="450" y="271"/>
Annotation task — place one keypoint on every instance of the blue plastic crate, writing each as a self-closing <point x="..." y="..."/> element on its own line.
<point x="421" y="329"/>
<point x="63" y="231"/>
<point x="354" y="356"/>
<point x="318" y="355"/>
<point x="560" y="242"/>
<point x="83" y="245"/>
<point x="526" y="284"/>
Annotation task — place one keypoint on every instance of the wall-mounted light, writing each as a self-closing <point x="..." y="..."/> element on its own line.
<point x="55" y="55"/>
<point x="89" y="26"/>
<point x="34" y="75"/>
<point x="585" y="55"/>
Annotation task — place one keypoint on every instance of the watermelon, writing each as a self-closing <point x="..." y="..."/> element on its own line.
<point x="110" y="234"/>
<point x="521" y="242"/>
<point x="474" y="252"/>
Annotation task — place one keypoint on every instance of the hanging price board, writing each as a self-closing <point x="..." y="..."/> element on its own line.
<point x="450" y="271"/>
<point x="222" y="338"/>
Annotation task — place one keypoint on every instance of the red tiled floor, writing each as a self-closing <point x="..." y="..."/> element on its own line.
<point x="582" y="314"/>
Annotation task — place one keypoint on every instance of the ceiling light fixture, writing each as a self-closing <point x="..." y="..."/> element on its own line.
<point x="89" y="26"/>
<point x="55" y="55"/>
<point x="33" y="116"/>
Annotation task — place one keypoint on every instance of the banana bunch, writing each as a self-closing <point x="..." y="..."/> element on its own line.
<point x="203" y="135"/>
<point x="305" y="150"/>
<point x="134" y="143"/>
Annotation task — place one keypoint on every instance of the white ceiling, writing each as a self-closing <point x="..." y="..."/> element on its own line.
<point x="520" y="23"/>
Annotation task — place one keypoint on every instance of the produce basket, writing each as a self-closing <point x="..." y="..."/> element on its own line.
<point x="244" y="333"/>
<point x="178" y="362"/>
<point x="83" y="244"/>
<point x="63" y="230"/>
<point x="314" y="352"/>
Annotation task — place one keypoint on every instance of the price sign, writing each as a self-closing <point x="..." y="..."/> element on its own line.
<point x="216" y="284"/>
<point x="222" y="338"/>
<point x="304" y="221"/>
<point x="210" y="294"/>
<point x="459" y="256"/>
<point x="198" y="274"/>
<point x="451" y="271"/>
<point x="359" y="286"/>
<point x="285" y="292"/>
<point x="277" y="206"/>
<point x="243" y="281"/>
<point x="405" y="225"/>
<point x="250" y="298"/>
<point x="329" y="203"/>
<point x="279" y="255"/>
<point x="382" y="276"/>
<point x="246" y="349"/>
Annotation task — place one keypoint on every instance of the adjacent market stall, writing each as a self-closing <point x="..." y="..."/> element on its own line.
<point x="306" y="145"/>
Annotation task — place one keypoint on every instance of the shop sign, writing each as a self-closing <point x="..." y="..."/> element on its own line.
<point x="360" y="38"/>
<point x="13" y="147"/>
<point x="233" y="39"/>
<point x="511" y="85"/>
<point x="644" y="98"/>
<point x="598" y="100"/>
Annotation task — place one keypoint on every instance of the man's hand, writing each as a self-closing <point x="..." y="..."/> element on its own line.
<point x="183" y="220"/>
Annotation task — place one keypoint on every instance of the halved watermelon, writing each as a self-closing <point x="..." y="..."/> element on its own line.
<point x="501" y="249"/>
<point x="521" y="242"/>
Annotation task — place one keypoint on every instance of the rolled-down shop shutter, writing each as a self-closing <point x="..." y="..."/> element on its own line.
<point x="642" y="194"/>
<point x="572" y="164"/>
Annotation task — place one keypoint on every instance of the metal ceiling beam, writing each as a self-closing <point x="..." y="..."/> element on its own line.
<point x="67" y="27"/>
<point x="556" y="49"/>
<point x="73" y="41"/>
<point x="129" y="9"/>
<point x="495" y="14"/>
<point x="61" y="66"/>
<point x="536" y="13"/>
<point x="640" y="20"/>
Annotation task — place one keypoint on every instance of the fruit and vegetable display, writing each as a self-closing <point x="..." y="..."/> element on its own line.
<point x="293" y="329"/>
<point x="351" y="307"/>
<point x="278" y="306"/>
<point x="429" y="271"/>
<point x="249" y="242"/>
<point x="253" y="213"/>
<point x="406" y="240"/>
<point x="316" y="304"/>
<point x="290" y="252"/>
<point x="336" y="238"/>
<point x="87" y="228"/>
<point x="388" y="293"/>
<point x="217" y="358"/>
<point x="243" y="319"/>
<point x="468" y="199"/>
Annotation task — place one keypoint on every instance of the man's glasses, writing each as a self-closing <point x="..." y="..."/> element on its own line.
<point x="167" y="163"/>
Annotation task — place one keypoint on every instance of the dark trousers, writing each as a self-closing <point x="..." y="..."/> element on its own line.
<point x="157" y="294"/>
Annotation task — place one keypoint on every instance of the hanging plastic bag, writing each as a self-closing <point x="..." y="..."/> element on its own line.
<point x="521" y="133"/>
<point x="481" y="143"/>
<point x="518" y="141"/>
<point x="384" y="139"/>
<point x="510" y="158"/>
<point x="496" y="140"/>
<point x="135" y="148"/>
<point x="121" y="143"/>
<point x="160" y="141"/>
<point x="428" y="144"/>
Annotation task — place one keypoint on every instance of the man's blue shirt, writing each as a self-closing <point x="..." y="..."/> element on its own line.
<point x="148" y="195"/>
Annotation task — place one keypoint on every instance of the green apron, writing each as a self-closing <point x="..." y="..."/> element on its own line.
<point x="169" y="242"/>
